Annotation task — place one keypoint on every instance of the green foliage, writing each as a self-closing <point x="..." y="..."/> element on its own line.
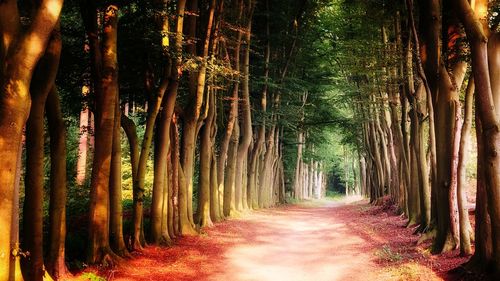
<point x="90" y="276"/>
<point x="333" y="195"/>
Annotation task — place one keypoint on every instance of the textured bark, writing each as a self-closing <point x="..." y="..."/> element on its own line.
<point x="265" y="183"/>
<point x="115" y="189"/>
<point x="253" y="200"/>
<point x="246" y="119"/>
<point x="174" y="152"/>
<point x="423" y="171"/>
<point x="483" y="251"/>
<point x="131" y="131"/>
<point x="203" y="212"/>
<point x="15" y="273"/>
<point x="413" y="188"/>
<point x="169" y="85"/>
<point x="215" y="213"/>
<point x="19" y="54"/>
<point x="229" y="127"/>
<point x="464" y="222"/>
<point x="41" y="84"/>
<point x="204" y="182"/>
<point x="162" y="145"/>
<point x="106" y="96"/>
<point x="58" y="188"/>
<point x="228" y="202"/>
<point x="488" y="114"/>
<point x="193" y="108"/>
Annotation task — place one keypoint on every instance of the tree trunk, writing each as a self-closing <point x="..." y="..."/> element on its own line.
<point x="58" y="188"/>
<point x="106" y="97"/>
<point x="41" y="84"/>
<point x="169" y="85"/>
<point x="488" y="117"/>
<point x="20" y="54"/>
<point x="204" y="181"/>
<point x="83" y="143"/>
<point x="115" y="189"/>
<point x="246" y="128"/>
<point x="464" y="222"/>
<point x="162" y="145"/>
<point x="228" y="203"/>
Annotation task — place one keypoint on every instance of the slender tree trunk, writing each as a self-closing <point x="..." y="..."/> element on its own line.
<point x="246" y="125"/>
<point x="215" y="213"/>
<point x="115" y="189"/>
<point x="58" y="184"/>
<point x="168" y="85"/>
<point x="228" y="202"/>
<point x="162" y="145"/>
<point x="204" y="182"/>
<point x="83" y="143"/>
<point x="465" y="226"/>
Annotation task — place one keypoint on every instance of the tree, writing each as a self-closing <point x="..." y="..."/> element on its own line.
<point x="20" y="53"/>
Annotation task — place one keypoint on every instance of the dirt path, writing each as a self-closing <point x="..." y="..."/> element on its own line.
<point x="327" y="241"/>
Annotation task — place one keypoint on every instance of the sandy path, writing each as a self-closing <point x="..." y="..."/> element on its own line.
<point x="298" y="243"/>
<point x="290" y="244"/>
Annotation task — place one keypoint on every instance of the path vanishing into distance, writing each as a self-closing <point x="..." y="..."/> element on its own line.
<point x="323" y="240"/>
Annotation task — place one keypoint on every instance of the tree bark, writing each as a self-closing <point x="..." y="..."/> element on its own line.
<point x="464" y="222"/>
<point x="115" y="189"/>
<point x="246" y="125"/>
<point x="106" y="96"/>
<point x="204" y="182"/>
<point x="41" y="84"/>
<point x="19" y="53"/>
<point x="56" y="265"/>
<point x="489" y="119"/>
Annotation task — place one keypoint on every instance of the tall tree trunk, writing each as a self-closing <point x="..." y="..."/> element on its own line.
<point x="228" y="203"/>
<point x="168" y="85"/>
<point x="489" y="119"/>
<point x="106" y="96"/>
<point x="204" y="182"/>
<point x="465" y="226"/>
<point x="115" y="189"/>
<point x="162" y="145"/>
<point x="215" y="213"/>
<point x="56" y="265"/>
<point x="20" y="53"/>
<point x="223" y="161"/>
<point x="246" y="125"/>
<point x="193" y="108"/>
<point x="83" y="142"/>
<point x="41" y="84"/>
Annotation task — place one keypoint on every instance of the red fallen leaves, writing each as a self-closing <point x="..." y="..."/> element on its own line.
<point x="328" y="242"/>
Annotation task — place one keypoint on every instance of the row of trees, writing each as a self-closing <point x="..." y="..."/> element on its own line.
<point x="206" y="90"/>
<point x="414" y="94"/>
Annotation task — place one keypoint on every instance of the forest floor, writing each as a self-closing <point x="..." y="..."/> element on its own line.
<point x="345" y="239"/>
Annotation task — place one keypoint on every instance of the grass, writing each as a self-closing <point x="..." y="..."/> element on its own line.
<point x="334" y="195"/>
<point x="388" y="255"/>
